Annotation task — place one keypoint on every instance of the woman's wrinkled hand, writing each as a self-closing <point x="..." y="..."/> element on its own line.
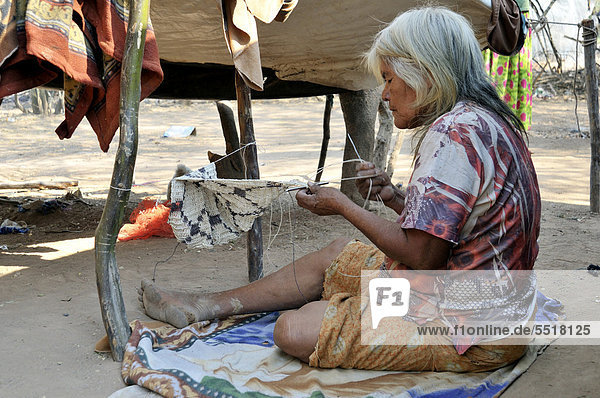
<point x="321" y="200"/>
<point x="379" y="183"/>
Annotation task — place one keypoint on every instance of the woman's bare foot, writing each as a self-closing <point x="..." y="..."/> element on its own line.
<point x="178" y="308"/>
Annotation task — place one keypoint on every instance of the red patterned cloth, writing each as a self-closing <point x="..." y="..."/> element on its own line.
<point x="85" y="40"/>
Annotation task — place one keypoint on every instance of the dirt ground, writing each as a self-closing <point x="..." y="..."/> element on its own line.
<point x="49" y="312"/>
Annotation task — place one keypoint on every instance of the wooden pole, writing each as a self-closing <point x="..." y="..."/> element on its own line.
<point x="326" y="135"/>
<point x="591" y="83"/>
<point x="19" y="105"/>
<point x="107" y="272"/>
<point x="360" y="112"/>
<point x="389" y="170"/>
<point x="254" y="240"/>
<point x="39" y="184"/>
<point x="231" y="166"/>
<point x="232" y="142"/>
<point x="384" y="135"/>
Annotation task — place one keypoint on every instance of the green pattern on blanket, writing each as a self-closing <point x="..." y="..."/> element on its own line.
<point x="227" y="389"/>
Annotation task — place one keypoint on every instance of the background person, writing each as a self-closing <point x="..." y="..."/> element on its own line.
<point x="512" y="75"/>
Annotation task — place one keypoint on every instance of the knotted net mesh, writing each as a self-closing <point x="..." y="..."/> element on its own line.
<point x="207" y="211"/>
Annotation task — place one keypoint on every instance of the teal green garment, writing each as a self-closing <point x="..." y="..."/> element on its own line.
<point x="523" y="5"/>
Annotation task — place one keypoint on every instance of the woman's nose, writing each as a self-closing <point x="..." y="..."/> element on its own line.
<point x="385" y="94"/>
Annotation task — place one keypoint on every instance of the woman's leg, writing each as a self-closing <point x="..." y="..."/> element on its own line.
<point x="297" y="332"/>
<point x="277" y="291"/>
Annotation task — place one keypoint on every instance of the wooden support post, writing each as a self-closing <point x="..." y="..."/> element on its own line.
<point x="19" y="105"/>
<point x="395" y="152"/>
<point x="360" y="111"/>
<point x="107" y="272"/>
<point x="254" y="240"/>
<point x="232" y="142"/>
<point x="326" y="135"/>
<point x="591" y="84"/>
<point x="232" y="166"/>
<point x="384" y="135"/>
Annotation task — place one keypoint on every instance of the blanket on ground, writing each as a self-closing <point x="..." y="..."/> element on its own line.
<point x="85" y="40"/>
<point x="236" y="357"/>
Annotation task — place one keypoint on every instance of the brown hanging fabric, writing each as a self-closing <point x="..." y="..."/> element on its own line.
<point x="507" y="28"/>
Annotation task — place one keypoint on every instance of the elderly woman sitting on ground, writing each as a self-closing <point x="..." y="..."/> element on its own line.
<point x="472" y="203"/>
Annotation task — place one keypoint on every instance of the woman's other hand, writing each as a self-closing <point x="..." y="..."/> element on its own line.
<point x="323" y="201"/>
<point x="380" y="185"/>
<point x="379" y="182"/>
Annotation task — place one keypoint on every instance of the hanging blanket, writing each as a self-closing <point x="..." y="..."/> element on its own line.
<point x="236" y="357"/>
<point x="83" y="39"/>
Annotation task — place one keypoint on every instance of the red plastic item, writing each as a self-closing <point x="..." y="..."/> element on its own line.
<point x="148" y="219"/>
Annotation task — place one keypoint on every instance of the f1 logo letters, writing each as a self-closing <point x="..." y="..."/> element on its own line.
<point x="389" y="297"/>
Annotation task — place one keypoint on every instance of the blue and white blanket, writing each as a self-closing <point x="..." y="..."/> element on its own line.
<point x="236" y="357"/>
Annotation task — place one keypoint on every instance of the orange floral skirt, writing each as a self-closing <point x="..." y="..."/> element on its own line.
<point x="339" y="343"/>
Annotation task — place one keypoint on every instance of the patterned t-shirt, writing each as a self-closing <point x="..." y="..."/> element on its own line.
<point x="474" y="185"/>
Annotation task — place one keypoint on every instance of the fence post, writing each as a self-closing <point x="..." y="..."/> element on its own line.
<point x="591" y="83"/>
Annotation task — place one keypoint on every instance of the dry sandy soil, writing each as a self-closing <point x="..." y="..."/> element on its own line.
<point x="49" y="312"/>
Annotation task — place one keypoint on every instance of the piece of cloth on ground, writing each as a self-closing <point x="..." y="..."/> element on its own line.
<point x="83" y="40"/>
<point x="149" y="218"/>
<point x="206" y="211"/>
<point x="237" y="355"/>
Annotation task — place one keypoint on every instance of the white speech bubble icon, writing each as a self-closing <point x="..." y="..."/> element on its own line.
<point x="389" y="297"/>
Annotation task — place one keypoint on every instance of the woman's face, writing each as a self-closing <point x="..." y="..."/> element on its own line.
<point x="400" y="98"/>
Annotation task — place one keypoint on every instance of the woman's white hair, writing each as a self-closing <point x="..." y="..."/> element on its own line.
<point x="435" y="52"/>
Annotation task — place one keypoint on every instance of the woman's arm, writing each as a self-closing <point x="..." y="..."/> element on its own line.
<point x="414" y="248"/>
<point x="377" y="185"/>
